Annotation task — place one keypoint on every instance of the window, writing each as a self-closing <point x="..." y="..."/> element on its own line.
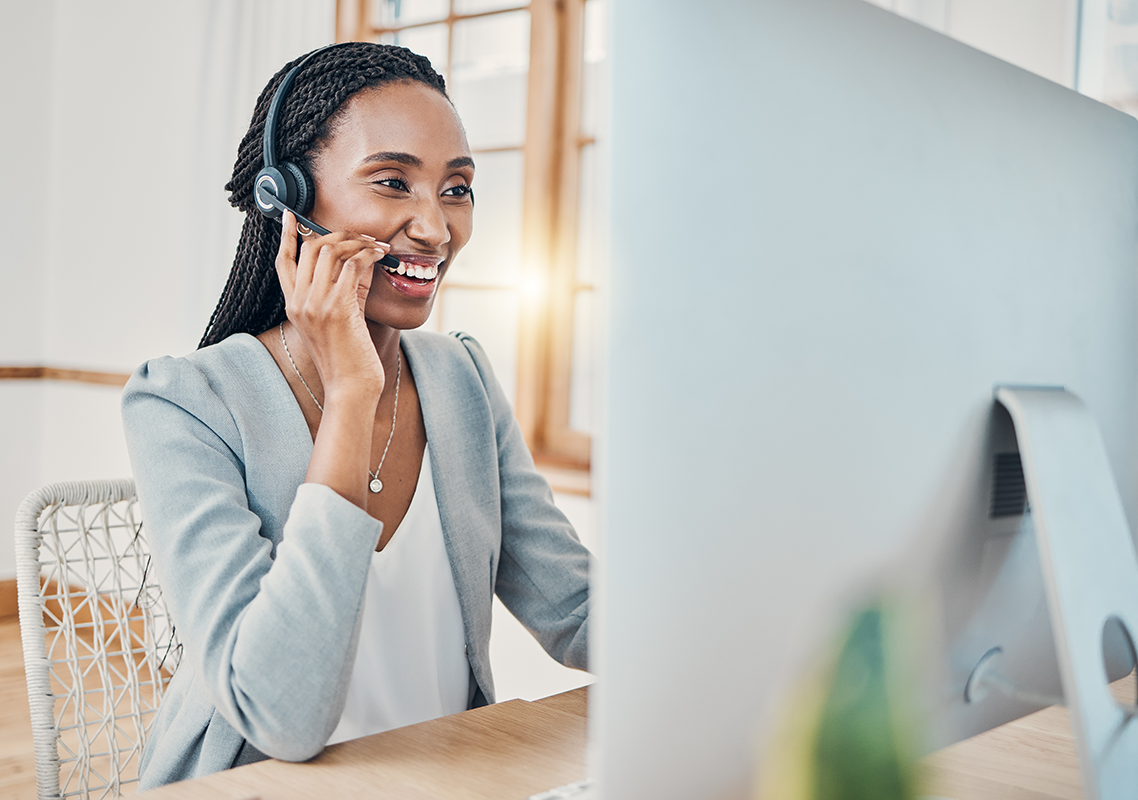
<point x="1110" y="61"/>
<point x="525" y="78"/>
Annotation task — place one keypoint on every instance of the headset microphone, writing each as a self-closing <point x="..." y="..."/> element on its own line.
<point x="266" y="197"/>
<point x="286" y="186"/>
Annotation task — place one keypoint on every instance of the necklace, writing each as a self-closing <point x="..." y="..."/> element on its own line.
<point x="376" y="485"/>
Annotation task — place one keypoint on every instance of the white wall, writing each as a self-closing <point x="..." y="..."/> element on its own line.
<point x="26" y="54"/>
<point x="122" y="124"/>
<point x="122" y="103"/>
<point x="97" y="101"/>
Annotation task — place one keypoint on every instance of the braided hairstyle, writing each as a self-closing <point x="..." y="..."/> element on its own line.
<point x="252" y="300"/>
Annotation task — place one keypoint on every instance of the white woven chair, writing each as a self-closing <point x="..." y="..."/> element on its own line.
<point x="99" y="647"/>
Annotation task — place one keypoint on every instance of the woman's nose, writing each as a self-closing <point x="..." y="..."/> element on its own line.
<point x="428" y="223"/>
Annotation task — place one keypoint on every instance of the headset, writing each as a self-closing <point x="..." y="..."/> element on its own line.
<point x="286" y="186"/>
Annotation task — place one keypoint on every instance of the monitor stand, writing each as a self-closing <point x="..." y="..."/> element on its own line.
<point x="1090" y="572"/>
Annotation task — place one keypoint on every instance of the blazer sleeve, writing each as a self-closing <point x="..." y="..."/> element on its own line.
<point x="270" y="636"/>
<point x="543" y="570"/>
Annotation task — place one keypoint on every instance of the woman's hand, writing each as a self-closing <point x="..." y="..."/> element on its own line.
<point x="325" y="290"/>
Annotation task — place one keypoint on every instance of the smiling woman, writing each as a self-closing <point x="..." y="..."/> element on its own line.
<point x="332" y="496"/>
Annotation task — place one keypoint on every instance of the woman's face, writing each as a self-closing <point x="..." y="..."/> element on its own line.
<point x="398" y="168"/>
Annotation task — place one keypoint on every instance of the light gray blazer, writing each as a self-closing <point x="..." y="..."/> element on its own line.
<point x="264" y="577"/>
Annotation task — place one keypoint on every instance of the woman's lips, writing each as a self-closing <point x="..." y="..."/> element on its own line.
<point x="415" y="276"/>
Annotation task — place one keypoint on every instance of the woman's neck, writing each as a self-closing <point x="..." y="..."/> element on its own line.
<point x="386" y="341"/>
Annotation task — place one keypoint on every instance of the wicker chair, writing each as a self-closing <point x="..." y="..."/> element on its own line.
<point x="99" y="646"/>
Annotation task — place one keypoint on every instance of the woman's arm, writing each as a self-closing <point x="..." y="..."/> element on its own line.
<point x="268" y="636"/>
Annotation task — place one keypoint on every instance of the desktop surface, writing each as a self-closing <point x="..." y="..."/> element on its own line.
<point x="1031" y="758"/>
<point x="513" y="750"/>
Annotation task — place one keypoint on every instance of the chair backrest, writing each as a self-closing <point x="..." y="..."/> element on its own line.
<point x="99" y="646"/>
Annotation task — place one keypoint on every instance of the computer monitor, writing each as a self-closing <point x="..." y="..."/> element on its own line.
<point x="833" y="233"/>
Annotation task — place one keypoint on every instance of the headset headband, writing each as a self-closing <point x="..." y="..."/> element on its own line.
<point x="269" y="147"/>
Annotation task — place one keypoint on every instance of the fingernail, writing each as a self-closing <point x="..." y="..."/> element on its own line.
<point x="370" y="238"/>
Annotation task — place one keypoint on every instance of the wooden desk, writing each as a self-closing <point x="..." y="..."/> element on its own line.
<point x="500" y="752"/>
<point x="1032" y="758"/>
<point x="515" y="749"/>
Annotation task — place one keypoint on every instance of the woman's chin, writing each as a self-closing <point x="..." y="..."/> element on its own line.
<point x="401" y="320"/>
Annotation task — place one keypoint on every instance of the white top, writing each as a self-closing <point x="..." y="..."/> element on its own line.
<point x="411" y="664"/>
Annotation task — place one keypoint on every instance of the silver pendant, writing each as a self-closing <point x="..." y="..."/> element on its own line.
<point x="376" y="485"/>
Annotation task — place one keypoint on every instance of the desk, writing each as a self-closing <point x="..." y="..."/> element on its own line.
<point x="500" y="752"/>
<point x="514" y="749"/>
<point x="1032" y="758"/>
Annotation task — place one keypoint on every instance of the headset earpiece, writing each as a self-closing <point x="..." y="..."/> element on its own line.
<point x="271" y="181"/>
<point x="289" y="183"/>
<point x="305" y="193"/>
<point x="286" y="181"/>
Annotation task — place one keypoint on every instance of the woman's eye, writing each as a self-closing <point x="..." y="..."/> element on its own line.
<point x="462" y="190"/>
<point x="393" y="183"/>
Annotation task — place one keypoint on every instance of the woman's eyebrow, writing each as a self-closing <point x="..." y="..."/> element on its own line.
<point x="401" y="158"/>
<point x="414" y="161"/>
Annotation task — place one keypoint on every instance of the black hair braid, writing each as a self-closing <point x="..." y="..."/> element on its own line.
<point x="252" y="300"/>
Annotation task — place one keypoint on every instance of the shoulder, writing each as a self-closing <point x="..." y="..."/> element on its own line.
<point x="217" y="385"/>
<point x="233" y="366"/>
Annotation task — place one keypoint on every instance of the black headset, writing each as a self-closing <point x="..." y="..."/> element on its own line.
<point x="284" y="187"/>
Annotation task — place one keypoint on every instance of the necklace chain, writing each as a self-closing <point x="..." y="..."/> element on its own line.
<point x="376" y="484"/>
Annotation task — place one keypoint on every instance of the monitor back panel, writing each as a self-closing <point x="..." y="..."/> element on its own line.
<point x="832" y="233"/>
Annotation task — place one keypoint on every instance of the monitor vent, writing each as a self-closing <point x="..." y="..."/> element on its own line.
<point x="1009" y="492"/>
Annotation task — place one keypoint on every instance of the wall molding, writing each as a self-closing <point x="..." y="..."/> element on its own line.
<point x="43" y="373"/>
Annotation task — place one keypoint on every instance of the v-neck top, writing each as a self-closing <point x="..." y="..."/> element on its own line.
<point x="410" y="666"/>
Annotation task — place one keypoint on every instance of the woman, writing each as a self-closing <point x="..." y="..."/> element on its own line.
<point x="330" y="499"/>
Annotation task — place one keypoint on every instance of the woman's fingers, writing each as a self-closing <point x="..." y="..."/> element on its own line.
<point x="332" y="272"/>
<point x="320" y="261"/>
<point x="353" y="273"/>
<point x="286" y="255"/>
<point x="335" y="252"/>
<point x="361" y="269"/>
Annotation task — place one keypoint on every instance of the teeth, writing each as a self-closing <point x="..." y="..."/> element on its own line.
<point x="415" y="271"/>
